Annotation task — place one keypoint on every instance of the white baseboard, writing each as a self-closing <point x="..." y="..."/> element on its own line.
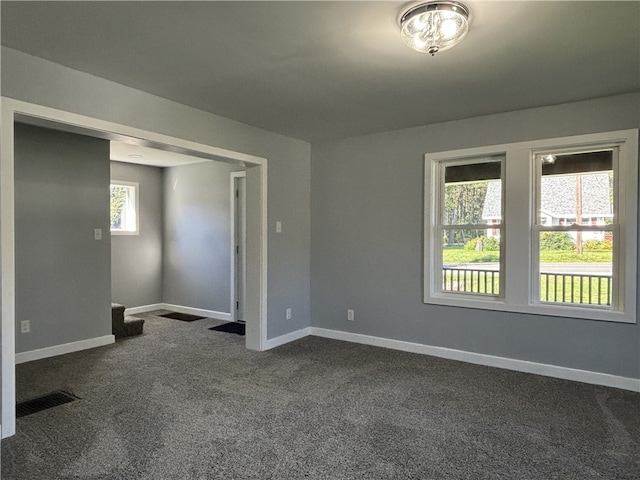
<point x="198" y="311"/>
<point x="64" y="348"/>
<point x="144" y="309"/>
<point x="555" y="371"/>
<point x="180" y="309"/>
<point x="286" y="338"/>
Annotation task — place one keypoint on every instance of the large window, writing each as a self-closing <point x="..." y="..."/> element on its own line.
<point x="124" y="208"/>
<point x="546" y="227"/>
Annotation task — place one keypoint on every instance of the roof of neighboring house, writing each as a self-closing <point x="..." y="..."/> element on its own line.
<point x="559" y="196"/>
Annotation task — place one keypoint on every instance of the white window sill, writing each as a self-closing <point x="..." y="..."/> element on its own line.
<point x="496" y="304"/>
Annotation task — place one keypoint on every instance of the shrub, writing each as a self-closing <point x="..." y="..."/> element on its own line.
<point x="471" y="244"/>
<point x="597" y="245"/>
<point x="488" y="244"/>
<point x="491" y="244"/>
<point x="556" y="241"/>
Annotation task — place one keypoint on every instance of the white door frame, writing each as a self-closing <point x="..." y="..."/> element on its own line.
<point x="237" y="242"/>
<point x="256" y="256"/>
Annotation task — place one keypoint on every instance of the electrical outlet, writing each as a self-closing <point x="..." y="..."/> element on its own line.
<point x="288" y="314"/>
<point x="25" y="326"/>
<point x="351" y="316"/>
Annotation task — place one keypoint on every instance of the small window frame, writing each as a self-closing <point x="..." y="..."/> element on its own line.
<point x="132" y="205"/>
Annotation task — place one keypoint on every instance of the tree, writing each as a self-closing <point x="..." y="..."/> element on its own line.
<point x="463" y="205"/>
<point x="117" y="202"/>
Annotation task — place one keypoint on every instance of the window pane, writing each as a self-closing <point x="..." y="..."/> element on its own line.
<point x="567" y="276"/>
<point x="577" y="189"/>
<point x="472" y="194"/>
<point x="470" y="262"/>
<point x="118" y="206"/>
<point x="123" y="208"/>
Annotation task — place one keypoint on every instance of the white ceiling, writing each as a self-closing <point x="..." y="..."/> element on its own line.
<point x="326" y="70"/>
<point x="125" y="152"/>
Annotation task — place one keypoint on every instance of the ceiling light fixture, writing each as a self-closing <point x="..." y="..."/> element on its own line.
<point x="434" y="26"/>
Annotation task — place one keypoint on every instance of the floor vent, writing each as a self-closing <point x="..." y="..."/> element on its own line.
<point x="42" y="403"/>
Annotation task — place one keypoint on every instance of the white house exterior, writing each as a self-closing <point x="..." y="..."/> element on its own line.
<point x="558" y="202"/>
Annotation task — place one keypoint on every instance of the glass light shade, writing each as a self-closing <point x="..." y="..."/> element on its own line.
<point x="435" y="26"/>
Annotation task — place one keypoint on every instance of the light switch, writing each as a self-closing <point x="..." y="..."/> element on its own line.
<point x="278" y="227"/>
<point x="97" y="234"/>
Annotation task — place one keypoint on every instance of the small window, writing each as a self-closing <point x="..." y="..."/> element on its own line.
<point x="575" y="255"/>
<point x="470" y="226"/>
<point x="124" y="208"/>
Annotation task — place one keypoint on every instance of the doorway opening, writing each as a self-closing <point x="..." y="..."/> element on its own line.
<point x="179" y="258"/>
<point x="255" y="182"/>
<point x="238" y="245"/>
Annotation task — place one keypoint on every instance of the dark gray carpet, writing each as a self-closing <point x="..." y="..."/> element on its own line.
<point x="185" y="402"/>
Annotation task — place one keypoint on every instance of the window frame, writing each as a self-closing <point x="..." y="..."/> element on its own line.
<point x="517" y="253"/>
<point x="617" y="298"/>
<point x="136" y="207"/>
<point x="440" y="226"/>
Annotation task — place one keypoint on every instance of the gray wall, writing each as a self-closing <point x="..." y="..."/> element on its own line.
<point x="62" y="273"/>
<point x="367" y="197"/>
<point x="136" y="260"/>
<point x="197" y="242"/>
<point x="34" y="80"/>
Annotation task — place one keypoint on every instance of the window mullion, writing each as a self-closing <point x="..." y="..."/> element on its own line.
<point x="472" y="226"/>
<point x="517" y="226"/>
<point x="574" y="228"/>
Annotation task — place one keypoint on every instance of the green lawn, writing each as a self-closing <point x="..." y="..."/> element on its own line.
<point x="563" y="289"/>
<point x="550" y="256"/>
<point x="589" y="290"/>
<point x="567" y="288"/>
<point x="460" y="255"/>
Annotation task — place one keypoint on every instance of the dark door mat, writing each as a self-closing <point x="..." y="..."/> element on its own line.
<point x="230" y="327"/>
<point x="42" y="403"/>
<point x="184" y="317"/>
